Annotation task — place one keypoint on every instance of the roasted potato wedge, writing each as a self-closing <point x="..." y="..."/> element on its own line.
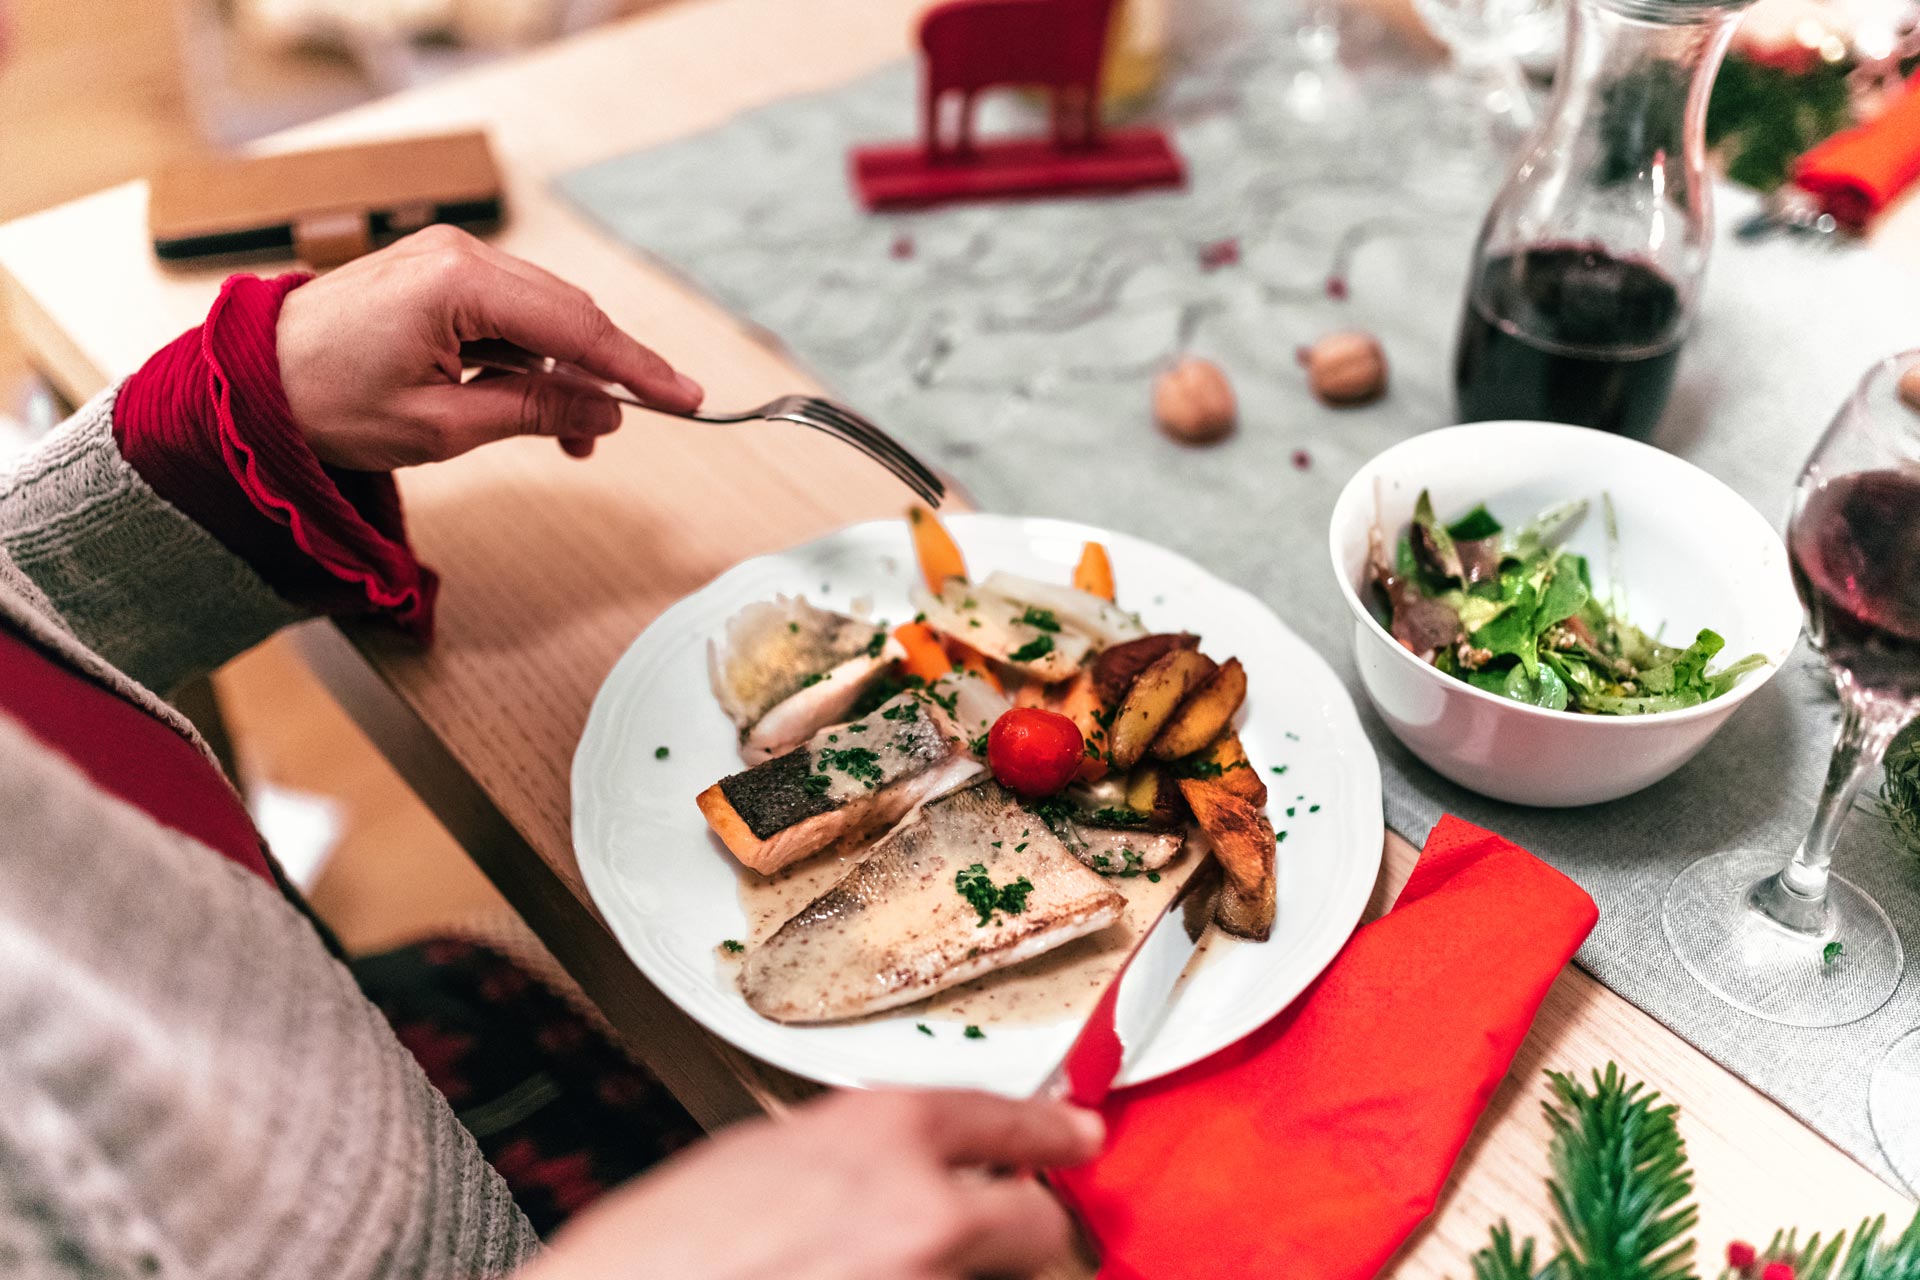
<point x="1115" y="670"/>
<point x="1156" y="694"/>
<point x="1225" y="764"/>
<point x="1242" y="840"/>
<point x="1151" y="791"/>
<point x="1205" y="714"/>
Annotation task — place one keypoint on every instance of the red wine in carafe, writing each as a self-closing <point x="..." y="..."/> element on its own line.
<point x="1569" y="333"/>
<point x="1855" y="549"/>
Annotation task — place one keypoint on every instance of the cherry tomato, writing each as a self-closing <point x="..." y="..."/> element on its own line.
<point x="1033" y="751"/>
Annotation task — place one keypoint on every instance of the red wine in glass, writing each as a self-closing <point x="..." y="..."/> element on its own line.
<point x="1569" y="333"/>
<point x="1855" y="549"/>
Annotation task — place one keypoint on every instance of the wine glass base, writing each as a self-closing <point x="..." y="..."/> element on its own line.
<point x="1839" y="971"/>
<point x="1893" y="1102"/>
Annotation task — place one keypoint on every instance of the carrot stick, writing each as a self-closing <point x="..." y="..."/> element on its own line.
<point x="1094" y="573"/>
<point x="969" y="658"/>
<point x="926" y="657"/>
<point x="934" y="547"/>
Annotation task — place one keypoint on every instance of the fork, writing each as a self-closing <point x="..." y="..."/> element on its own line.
<point x="823" y="415"/>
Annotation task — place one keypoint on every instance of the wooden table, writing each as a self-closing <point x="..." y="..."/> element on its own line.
<point x="552" y="566"/>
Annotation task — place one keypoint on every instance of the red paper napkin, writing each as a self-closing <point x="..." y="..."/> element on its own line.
<point x="1858" y="172"/>
<point x="1312" y="1148"/>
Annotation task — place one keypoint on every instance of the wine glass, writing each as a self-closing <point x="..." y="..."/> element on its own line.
<point x="1893" y="1102"/>
<point x="1797" y="944"/>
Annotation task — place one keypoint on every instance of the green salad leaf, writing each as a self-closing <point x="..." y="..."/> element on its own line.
<point x="1530" y="626"/>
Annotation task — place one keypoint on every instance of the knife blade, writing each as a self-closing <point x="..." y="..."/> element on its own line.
<point x="1135" y="1003"/>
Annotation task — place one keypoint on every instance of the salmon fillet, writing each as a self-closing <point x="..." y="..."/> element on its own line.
<point x="896" y="928"/>
<point x="847" y="782"/>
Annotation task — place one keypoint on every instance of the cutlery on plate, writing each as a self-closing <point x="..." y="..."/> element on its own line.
<point x="816" y="412"/>
<point x="1135" y="1003"/>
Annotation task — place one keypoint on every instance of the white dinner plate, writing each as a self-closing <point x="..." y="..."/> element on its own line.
<point x="669" y="889"/>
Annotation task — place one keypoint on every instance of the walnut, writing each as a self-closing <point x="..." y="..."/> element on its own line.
<point x="1194" y="402"/>
<point x="1346" y="368"/>
<point x="1909" y="386"/>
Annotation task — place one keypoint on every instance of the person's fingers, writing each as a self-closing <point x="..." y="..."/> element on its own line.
<point x="986" y="1129"/>
<point x="482" y="411"/>
<point x="577" y="446"/>
<point x="552" y="318"/>
<point x="1019" y="1230"/>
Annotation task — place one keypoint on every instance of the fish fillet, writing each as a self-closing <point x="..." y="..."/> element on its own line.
<point x="896" y="929"/>
<point x="1112" y="851"/>
<point x="846" y="782"/>
<point x="786" y="668"/>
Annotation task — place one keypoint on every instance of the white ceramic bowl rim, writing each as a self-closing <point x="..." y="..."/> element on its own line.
<point x="1725" y="702"/>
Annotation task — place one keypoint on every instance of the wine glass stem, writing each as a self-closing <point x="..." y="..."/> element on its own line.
<point x="1797" y="896"/>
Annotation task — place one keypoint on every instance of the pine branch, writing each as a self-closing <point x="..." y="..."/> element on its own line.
<point x="1498" y="1261"/>
<point x="1869" y="1258"/>
<point x="1621" y="1175"/>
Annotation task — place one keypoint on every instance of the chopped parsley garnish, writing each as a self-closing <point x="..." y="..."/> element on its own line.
<point x="923" y="1028"/>
<point x="856" y="728"/>
<point x="1118" y="818"/>
<point x="974" y="1033"/>
<point x="816" y="784"/>
<point x="1201" y="768"/>
<point x="973" y="622"/>
<point x="1279" y="837"/>
<point x="969" y="603"/>
<point x="908" y="710"/>
<point x="875" y="645"/>
<point x="1289" y="811"/>
<point x="977" y="887"/>
<point x="1279" y="769"/>
<point x="794" y="627"/>
<point x="947" y="702"/>
<point x="1056" y="811"/>
<point x="1313" y="808"/>
<point x="919" y="617"/>
<point x="1040" y="619"/>
<point x="1021" y="847"/>
<point x="1153" y="877"/>
<point x="1292" y="736"/>
<point x="733" y="946"/>
<point x="1832" y="951"/>
<point x="978" y="746"/>
<point x="808" y="681"/>
<point x="661" y="753"/>
<point x="857" y="763"/>
<point x="1092" y="749"/>
<point x="1032" y="651"/>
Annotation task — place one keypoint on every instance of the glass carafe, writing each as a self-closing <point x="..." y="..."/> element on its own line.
<point x="1589" y="264"/>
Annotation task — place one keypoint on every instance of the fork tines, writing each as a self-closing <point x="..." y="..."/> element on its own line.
<point x="837" y="420"/>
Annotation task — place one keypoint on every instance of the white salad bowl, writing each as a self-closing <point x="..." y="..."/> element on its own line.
<point x="1690" y="553"/>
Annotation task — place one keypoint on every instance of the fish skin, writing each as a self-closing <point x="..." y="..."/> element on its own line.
<point x="769" y="819"/>
<point x="895" y="929"/>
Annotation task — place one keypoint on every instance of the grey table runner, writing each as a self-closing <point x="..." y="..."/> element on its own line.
<point x="1014" y="344"/>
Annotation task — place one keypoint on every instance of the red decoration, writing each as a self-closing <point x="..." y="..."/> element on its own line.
<point x="1220" y="253"/>
<point x="1777" y="1271"/>
<point x="1740" y="1255"/>
<point x="975" y="45"/>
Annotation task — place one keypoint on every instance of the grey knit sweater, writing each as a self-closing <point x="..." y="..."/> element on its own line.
<point x="190" y="1085"/>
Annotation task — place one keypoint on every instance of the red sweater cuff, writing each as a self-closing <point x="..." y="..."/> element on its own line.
<point x="206" y="423"/>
